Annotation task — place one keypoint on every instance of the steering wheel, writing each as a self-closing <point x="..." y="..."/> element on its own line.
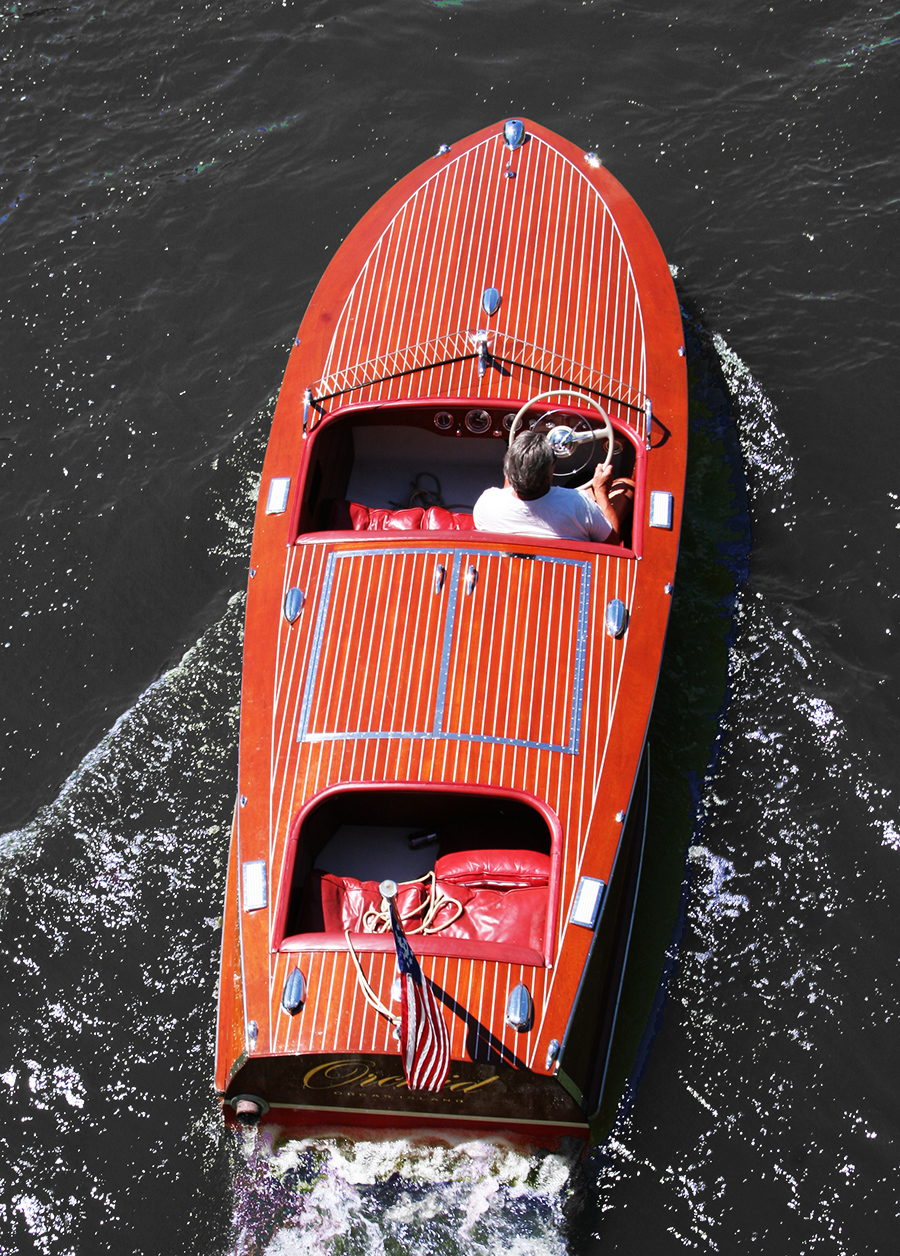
<point x="566" y="439"/>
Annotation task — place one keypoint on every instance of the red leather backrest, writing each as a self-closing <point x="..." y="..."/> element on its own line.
<point x="494" y="869"/>
<point x="351" y="515"/>
<point x="437" y="518"/>
<point x="409" y="520"/>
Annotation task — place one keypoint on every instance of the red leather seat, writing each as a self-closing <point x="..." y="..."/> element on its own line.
<point x="503" y="895"/>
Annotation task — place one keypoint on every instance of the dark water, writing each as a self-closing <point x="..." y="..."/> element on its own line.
<point x="175" y="178"/>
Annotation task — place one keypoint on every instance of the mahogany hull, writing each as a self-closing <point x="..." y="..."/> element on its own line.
<point x="414" y="676"/>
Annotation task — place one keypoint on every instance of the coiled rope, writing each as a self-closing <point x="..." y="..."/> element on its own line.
<point x="375" y="921"/>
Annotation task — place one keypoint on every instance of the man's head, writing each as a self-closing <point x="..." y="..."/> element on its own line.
<point x="528" y="465"/>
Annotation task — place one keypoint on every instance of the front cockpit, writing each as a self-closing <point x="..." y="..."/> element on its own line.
<point x="414" y="466"/>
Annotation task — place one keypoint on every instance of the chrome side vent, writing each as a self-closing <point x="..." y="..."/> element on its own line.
<point x="520" y="1009"/>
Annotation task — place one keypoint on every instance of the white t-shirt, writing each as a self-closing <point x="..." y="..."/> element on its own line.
<point x="563" y="512"/>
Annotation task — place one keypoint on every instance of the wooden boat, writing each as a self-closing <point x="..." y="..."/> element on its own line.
<point x="424" y="699"/>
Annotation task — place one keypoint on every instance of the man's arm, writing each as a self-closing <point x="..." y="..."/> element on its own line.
<point x="598" y="490"/>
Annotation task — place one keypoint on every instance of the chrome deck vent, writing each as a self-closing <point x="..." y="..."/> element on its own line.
<point x="520" y="1009"/>
<point x="293" y="604"/>
<point x="616" y="617"/>
<point x="294" y="994"/>
<point x="490" y="301"/>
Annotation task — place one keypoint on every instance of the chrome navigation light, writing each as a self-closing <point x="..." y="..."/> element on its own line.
<point x="593" y="160"/>
<point x="514" y="132"/>
<point x="490" y="301"/>
<point x="661" y="509"/>
<point x="279" y="489"/>
<point x="520" y="1009"/>
<point x="253" y="883"/>
<point x="588" y="897"/>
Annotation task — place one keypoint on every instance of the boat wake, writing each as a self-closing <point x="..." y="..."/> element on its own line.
<point x="331" y="1195"/>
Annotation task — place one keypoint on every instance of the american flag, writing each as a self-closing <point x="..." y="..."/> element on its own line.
<point x="424" y="1041"/>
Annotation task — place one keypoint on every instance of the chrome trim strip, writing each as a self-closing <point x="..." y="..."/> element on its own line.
<point x="437" y="732"/>
<point x="449" y="625"/>
<point x="318" y="637"/>
<point x="423" y="1117"/>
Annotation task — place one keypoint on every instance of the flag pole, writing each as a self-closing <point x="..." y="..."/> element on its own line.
<point x="424" y="1040"/>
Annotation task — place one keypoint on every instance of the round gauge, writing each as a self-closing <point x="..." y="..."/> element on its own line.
<point x="443" y="420"/>
<point x="508" y="421"/>
<point x="478" y="421"/>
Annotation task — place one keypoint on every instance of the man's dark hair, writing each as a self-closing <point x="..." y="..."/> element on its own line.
<point x="528" y="465"/>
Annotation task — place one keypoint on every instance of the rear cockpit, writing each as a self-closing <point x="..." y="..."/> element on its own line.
<point x="477" y="872"/>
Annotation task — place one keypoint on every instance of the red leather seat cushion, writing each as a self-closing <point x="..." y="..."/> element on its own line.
<point x="494" y="869"/>
<point x="332" y="904"/>
<point x="517" y="916"/>
<point x="437" y="518"/>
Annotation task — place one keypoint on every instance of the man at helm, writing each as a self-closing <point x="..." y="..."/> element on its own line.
<point x="529" y="504"/>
